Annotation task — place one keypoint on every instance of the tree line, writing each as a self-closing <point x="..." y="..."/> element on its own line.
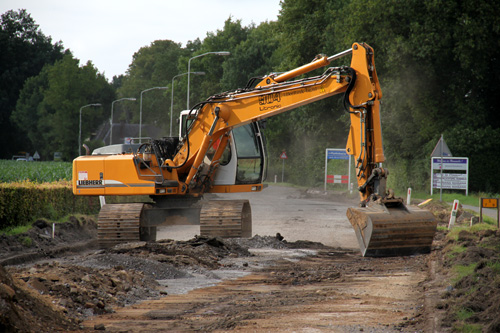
<point x="436" y="60"/>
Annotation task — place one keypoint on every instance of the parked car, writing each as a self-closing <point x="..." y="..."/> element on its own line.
<point x="29" y="159"/>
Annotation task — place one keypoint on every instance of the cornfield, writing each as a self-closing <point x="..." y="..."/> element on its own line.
<point x="38" y="172"/>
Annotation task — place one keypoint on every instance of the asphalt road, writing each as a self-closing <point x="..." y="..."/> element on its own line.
<point x="287" y="211"/>
<point x="486" y="211"/>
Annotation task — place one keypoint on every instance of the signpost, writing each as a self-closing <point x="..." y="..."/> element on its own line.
<point x="283" y="157"/>
<point x="489" y="203"/>
<point x="440" y="150"/>
<point x="337" y="154"/>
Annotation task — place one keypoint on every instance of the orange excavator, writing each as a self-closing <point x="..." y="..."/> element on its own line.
<point x="220" y="149"/>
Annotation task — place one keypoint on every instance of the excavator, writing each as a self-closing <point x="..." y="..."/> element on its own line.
<point x="220" y="149"/>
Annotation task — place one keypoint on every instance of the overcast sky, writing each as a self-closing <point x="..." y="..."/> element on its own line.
<point x="109" y="32"/>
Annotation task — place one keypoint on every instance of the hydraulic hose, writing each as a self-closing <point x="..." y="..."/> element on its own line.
<point x="361" y="110"/>
<point x="347" y="103"/>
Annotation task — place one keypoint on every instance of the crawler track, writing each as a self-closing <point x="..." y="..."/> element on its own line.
<point x="119" y="223"/>
<point x="226" y="218"/>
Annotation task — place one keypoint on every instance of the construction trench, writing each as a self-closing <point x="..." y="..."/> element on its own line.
<point x="300" y="272"/>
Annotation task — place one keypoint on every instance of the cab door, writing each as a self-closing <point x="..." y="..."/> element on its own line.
<point x="244" y="160"/>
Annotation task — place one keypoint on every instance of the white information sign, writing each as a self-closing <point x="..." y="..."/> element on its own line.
<point x="450" y="181"/>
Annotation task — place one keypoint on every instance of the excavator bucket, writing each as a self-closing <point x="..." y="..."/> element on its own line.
<point x="392" y="229"/>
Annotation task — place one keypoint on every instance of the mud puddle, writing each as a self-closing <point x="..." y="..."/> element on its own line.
<point x="259" y="259"/>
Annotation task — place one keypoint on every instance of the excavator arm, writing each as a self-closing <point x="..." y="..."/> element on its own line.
<point x="383" y="224"/>
<point x="276" y="94"/>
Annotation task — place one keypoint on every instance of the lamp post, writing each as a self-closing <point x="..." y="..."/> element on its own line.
<point x="80" y="127"/>
<point x="111" y="119"/>
<point x="172" y="99"/>
<point x="221" y="53"/>
<point x="140" y="111"/>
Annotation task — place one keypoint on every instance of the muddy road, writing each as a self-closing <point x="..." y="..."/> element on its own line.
<point x="312" y="288"/>
<point x="313" y="281"/>
<point x="325" y="291"/>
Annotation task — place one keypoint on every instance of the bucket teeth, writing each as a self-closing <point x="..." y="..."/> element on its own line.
<point x="392" y="231"/>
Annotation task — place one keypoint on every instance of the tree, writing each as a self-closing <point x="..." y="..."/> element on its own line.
<point x="54" y="98"/>
<point x="29" y="109"/>
<point x="227" y="39"/>
<point x="254" y="56"/>
<point x="152" y="66"/>
<point x="434" y="61"/>
<point x="25" y="50"/>
<point x="304" y="133"/>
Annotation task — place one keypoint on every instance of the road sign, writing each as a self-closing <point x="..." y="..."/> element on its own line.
<point x="337" y="154"/>
<point x="456" y="181"/>
<point x="450" y="181"/>
<point x="489" y="203"/>
<point x="283" y="158"/>
<point x="441" y="149"/>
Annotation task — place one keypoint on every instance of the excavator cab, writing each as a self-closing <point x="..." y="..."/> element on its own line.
<point x="244" y="158"/>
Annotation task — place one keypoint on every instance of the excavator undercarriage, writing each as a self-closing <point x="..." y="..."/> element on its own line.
<point x="130" y="222"/>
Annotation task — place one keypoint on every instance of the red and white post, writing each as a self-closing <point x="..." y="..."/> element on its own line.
<point x="453" y="216"/>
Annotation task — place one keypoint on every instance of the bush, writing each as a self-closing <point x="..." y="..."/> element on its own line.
<point x="22" y="203"/>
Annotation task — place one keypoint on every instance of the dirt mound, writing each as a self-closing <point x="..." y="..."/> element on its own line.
<point x="101" y="281"/>
<point x="442" y="212"/>
<point x="23" y="310"/>
<point x="84" y="291"/>
<point x="273" y="242"/>
<point x="37" y="242"/>
<point x="473" y="298"/>
<point x="258" y="242"/>
<point x="200" y="251"/>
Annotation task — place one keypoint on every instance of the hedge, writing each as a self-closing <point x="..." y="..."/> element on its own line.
<point x="23" y="202"/>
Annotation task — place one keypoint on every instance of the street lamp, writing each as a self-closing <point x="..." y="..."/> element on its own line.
<point x="172" y="99"/>
<point x="111" y="119"/>
<point x="140" y="111"/>
<point x="222" y="53"/>
<point x="80" y="131"/>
